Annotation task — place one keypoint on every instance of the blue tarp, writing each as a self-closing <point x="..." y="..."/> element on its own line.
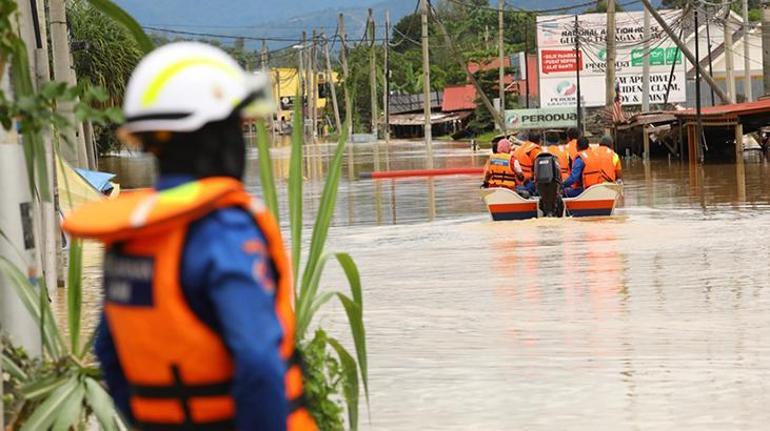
<point x="99" y="180"/>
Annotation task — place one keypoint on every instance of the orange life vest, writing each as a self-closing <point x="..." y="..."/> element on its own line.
<point x="178" y="368"/>
<point x="599" y="166"/>
<point x="526" y="155"/>
<point x="499" y="172"/>
<point x="572" y="151"/>
<point x="561" y="155"/>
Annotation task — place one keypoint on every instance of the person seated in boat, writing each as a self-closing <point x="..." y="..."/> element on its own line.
<point x="560" y="152"/>
<point x="498" y="171"/>
<point x="592" y="166"/>
<point x="606" y="144"/>
<point x="573" y="135"/>
<point x="524" y="162"/>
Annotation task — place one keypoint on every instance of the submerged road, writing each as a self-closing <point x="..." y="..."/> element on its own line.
<point x="655" y="319"/>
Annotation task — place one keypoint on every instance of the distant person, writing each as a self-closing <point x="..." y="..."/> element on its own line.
<point x="606" y="144"/>
<point x="498" y="171"/>
<point x="572" y="150"/>
<point x="524" y="162"/>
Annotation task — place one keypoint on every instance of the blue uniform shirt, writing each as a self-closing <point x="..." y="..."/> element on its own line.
<point x="224" y="289"/>
<point x="577" y="172"/>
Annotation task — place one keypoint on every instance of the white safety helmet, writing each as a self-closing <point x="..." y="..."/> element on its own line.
<point x="182" y="86"/>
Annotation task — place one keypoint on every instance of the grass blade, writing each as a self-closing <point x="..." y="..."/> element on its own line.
<point x="101" y="403"/>
<point x="354" y="308"/>
<point x="70" y="410"/>
<point x="46" y="413"/>
<point x="42" y="387"/>
<point x="325" y="209"/>
<point x="119" y="15"/>
<point x="350" y="385"/>
<point x="266" y="176"/>
<point x="12" y="368"/>
<point x="75" y="294"/>
<point x="295" y="187"/>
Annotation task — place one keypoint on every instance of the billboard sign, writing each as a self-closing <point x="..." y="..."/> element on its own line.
<point x="558" y="63"/>
<point x="546" y="118"/>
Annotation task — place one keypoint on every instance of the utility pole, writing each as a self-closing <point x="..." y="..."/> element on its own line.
<point x="426" y="81"/>
<point x="729" y="59"/>
<point x="314" y="89"/>
<point x="766" y="46"/>
<point x="75" y="151"/>
<point x="386" y="74"/>
<point x="302" y="81"/>
<point x="646" y="63"/>
<point x="747" y="90"/>
<point x="372" y="74"/>
<point x="526" y="57"/>
<point x="699" y="127"/>
<point x="711" y="60"/>
<point x="611" y="55"/>
<point x="577" y="75"/>
<point x="682" y="47"/>
<point x="501" y="52"/>
<point x="346" y="75"/>
<point x="330" y="83"/>
<point x="266" y="70"/>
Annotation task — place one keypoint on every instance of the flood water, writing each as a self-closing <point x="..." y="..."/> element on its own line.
<point x="655" y="319"/>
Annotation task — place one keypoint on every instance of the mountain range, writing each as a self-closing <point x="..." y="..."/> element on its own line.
<point x="281" y="20"/>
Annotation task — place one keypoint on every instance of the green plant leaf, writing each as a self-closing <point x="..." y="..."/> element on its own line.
<point x="358" y="331"/>
<point x="70" y="410"/>
<point x="75" y="294"/>
<point x="101" y="403"/>
<point x="10" y="367"/>
<point x="325" y="209"/>
<point x="266" y="176"/>
<point x="350" y="383"/>
<point x="46" y="413"/>
<point x="42" y="387"/>
<point x="30" y="298"/>
<point x="119" y="15"/>
<point x="295" y="188"/>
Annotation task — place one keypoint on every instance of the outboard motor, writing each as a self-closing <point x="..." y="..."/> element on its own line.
<point x="547" y="177"/>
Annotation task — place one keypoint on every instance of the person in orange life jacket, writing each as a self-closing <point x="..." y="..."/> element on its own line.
<point x="576" y="175"/>
<point x="607" y="142"/>
<point x="197" y="329"/>
<point x="573" y="135"/>
<point x="498" y="171"/>
<point x="524" y="162"/>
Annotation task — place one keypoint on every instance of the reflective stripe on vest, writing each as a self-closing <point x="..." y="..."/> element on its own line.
<point x="178" y="369"/>
<point x="500" y="171"/>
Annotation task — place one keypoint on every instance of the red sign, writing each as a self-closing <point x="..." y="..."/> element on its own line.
<point x="558" y="60"/>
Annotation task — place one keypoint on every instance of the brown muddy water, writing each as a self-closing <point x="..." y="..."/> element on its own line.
<point x="658" y="318"/>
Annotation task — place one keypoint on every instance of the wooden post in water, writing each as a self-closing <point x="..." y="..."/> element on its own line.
<point x="373" y="73"/>
<point x="330" y="83"/>
<point x="386" y="88"/>
<point x="740" y="168"/>
<point x="646" y="140"/>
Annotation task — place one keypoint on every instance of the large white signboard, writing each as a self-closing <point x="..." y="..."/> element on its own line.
<point x="557" y="63"/>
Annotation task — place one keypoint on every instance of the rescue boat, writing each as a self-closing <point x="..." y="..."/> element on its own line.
<point x="597" y="201"/>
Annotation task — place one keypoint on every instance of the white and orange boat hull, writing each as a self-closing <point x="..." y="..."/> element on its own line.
<point x="598" y="201"/>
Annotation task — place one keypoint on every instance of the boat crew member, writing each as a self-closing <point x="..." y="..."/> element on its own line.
<point x="524" y="162"/>
<point x="560" y="152"/>
<point x="498" y="171"/>
<point x="197" y="330"/>
<point x="593" y="166"/>
<point x="607" y="144"/>
<point x="572" y="150"/>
